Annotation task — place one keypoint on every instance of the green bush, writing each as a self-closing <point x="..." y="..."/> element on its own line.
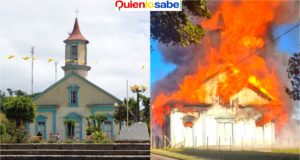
<point x="10" y="127"/>
<point x="21" y="136"/>
<point x="6" y="138"/>
<point x="2" y="129"/>
<point x="98" y="136"/>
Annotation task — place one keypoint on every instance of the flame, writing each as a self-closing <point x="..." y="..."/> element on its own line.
<point x="242" y="28"/>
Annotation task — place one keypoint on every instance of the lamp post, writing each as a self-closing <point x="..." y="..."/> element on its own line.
<point x="116" y="105"/>
<point x="138" y="89"/>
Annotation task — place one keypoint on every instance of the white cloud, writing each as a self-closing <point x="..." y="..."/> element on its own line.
<point x="119" y="42"/>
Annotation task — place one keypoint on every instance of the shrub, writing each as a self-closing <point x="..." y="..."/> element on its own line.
<point x="98" y="135"/>
<point x="6" y="138"/>
<point x="21" y="135"/>
<point x="10" y="127"/>
<point x="2" y="129"/>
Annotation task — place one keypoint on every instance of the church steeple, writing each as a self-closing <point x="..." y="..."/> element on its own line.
<point x="76" y="34"/>
<point x="76" y="52"/>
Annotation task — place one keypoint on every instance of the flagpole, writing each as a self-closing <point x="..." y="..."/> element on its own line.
<point x="127" y="100"/>
<point x="32" y="52"/>
<point x="55" y="70"/>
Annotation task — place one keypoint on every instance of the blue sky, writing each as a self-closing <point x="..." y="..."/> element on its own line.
<point x="288" y="44"/>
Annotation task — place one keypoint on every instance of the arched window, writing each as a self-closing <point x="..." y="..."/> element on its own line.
<point x="73" y="95"/>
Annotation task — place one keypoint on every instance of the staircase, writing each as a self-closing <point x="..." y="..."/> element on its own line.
<point x="118" y="151"/>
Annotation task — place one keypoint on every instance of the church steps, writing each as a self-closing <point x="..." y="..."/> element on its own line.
<point x="75" y="157"/>
<point x="73" y="152"/>
<point x="80" y="146"/>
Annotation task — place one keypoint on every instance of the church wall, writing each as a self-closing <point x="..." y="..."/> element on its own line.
<point x="87" y="94"/>
<point x="198" y="129"/>
<point x="64" y="111"/>
<point x="81" y="54"/>
<point x="177" y="137"/>
<point x="241" y="133"/>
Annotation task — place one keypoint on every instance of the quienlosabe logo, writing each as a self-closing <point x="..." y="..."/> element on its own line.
<point x="148" y="5"/>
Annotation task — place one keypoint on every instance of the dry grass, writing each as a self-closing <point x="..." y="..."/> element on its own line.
<point x="191" y="154"/>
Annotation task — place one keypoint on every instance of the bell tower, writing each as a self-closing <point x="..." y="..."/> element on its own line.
<point x="76" y="53"/>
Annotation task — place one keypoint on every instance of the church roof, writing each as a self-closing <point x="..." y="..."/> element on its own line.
<point x="76" y="34"/>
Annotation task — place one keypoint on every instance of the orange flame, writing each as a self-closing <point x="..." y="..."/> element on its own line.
<point x="242" y="28"/>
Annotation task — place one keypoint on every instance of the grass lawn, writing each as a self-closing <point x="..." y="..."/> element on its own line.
<point x="192" y="154"/>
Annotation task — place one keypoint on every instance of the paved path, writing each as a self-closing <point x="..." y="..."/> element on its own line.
<point x="158" y="157"/>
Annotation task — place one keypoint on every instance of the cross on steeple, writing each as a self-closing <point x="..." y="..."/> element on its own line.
<point x="76" y="12"/>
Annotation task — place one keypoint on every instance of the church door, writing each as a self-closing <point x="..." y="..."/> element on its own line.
<point x="42" y="129"/>
<point x="224" y="131"/>
<point x="78" y="124"/>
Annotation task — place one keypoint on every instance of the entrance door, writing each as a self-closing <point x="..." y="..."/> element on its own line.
<point x="224" y="133"/>
<point x="42" y="129"/>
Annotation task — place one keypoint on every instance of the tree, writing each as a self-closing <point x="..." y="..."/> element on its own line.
<point x="120" y="114"/>
<point x="97" y="120"/>
<point x="100" y="118"/>
<point x="2" y="99"/>
<point x="294" y="75"/>
<point x="146" y="110"/>
<point x="177" y="27"/>
<point x="20" y="110"/>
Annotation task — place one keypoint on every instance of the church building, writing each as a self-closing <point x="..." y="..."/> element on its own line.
<point x="73" y="97"/>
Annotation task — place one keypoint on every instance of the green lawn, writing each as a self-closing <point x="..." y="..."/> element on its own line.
<point x="193" y="154"/>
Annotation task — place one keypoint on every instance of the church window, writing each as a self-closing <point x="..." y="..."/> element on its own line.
<point x="74" y="52"/>
<point x="107" y="128"/>
<point x="73" y="95"/>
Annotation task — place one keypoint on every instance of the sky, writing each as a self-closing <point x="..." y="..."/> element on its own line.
<point x="119" y="43"/>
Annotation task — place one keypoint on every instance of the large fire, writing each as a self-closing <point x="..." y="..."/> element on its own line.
<point x="243" y="30"/>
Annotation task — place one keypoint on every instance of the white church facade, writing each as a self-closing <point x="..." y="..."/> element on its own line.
<point x="73" y="96"/>
<point x="215" y="124"/>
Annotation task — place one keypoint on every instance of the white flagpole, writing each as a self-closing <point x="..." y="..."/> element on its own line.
<point x="127" y="100"/>
<point x="32" y="52"/>
<point x="55" y="63"/>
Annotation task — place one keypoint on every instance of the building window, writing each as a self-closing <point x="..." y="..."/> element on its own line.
<point x="107" y="128"/>
<point x="73" y="95"/>
<point x="74" y="52"/>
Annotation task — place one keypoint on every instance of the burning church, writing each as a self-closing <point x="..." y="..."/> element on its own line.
<point x="214" y="123"/>
<point x="230" y="89"/>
